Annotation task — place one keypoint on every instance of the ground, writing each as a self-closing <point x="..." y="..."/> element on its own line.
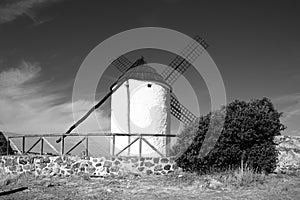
<point x="181" y="187"/>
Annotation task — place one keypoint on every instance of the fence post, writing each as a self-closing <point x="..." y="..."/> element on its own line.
<point x="140" y="150"/>
<point x="42" y="145"/>
<point x="7" y="146"/>
<point x="62" y="145"/>
<point x="23" y="144"/>
<point x="114" y="144"/>
<point x="86" y="146"/>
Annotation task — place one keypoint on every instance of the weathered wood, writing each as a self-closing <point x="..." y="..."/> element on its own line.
<point x="76" y="145"/>
<point x="140" y="147"/>
<point x="42" y="146"/>
<point x="14" y="190"/>
<point x="127" y="146"/>
<point x="33" y="145"/>
<point x="7" y="146"/>
<point x="86" y="146"/>
<point x="94" y="134"/>
<point x="114" y="145"/>
<point x="15" y="147"/>
<point x="23" y="144"/>
<point x="51" y="146"/>
<point x="156" y="150"/>
<point x="62" y="147"/>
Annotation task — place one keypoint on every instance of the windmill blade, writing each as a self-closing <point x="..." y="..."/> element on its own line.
<point x="176" y="68"/>
<point x="90" y="111"/>
<point x="181" y="112"/>
<point x="122" y="64"/>
<point x="183" y="61"/>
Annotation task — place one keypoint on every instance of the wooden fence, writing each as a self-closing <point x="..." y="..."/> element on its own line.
<point x="42" y="138"/>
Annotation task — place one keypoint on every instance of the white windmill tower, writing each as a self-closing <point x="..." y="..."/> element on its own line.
<point x="141" y="105"/>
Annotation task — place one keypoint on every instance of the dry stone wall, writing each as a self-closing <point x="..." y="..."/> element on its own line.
<point x="71" y="165"/>
<point x="289" y="153"/>
<point x="288" y="161"/>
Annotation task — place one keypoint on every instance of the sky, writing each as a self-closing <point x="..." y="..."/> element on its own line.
<point x="255" y="45"/>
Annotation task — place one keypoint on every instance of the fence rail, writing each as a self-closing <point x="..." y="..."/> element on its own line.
<point x="41" y="138"/>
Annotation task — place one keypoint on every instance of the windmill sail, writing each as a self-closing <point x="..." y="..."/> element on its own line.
<point x="112" y="90"/>
<point x="182" y="62"/>
<point x="181" y="112"/>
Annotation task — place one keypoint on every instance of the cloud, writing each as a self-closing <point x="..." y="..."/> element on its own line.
<point x="26" y="107"/>
<point x="11" y="10"/>
<point x="290" y="106"/>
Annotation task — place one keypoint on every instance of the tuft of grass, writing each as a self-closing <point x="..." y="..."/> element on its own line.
<point x="243" y="176"/>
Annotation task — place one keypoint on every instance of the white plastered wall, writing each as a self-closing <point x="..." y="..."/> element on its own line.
<point x="148" y="111"/>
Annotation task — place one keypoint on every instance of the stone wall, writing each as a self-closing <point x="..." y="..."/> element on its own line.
<point x="288" y="161"/>
<point x="289" y="153"/>
<point x="72" y="165"/>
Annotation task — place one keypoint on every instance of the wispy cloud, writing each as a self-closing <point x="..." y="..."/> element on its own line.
<point x="25" y="107"/>
<point x="11" y="10"/>
<point x="290" y="106"/>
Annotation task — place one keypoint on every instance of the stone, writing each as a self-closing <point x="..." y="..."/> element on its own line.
<point x="58" y="160"/>
<point x="76" y="165"/>
<point x="134" y="160"/>
<point x="91" y="169"/>
<point x="45" y="160"/>
<point x="149" y="164"/>
<point x="158" y="168"/>
<point x="135" y="165"/>
<point x="167" y="167"/>
<point x="22" y="161"/>
<point x="26" y="167"/>
<point x="107" y="163"/>
<point x="148" y="172"/>
<point x="141" y="169"/>
<point x="82" y="169"/>
<point x="12" y="168"/>
<point x="174" y="166"/>
<point x="98" y="164"/>
<point x="164" y="160"/>
<point x="156" y="160"/>
<point x="289" y="153"/>
<point x="117" y="162"/>
<point x="114" y="169"/>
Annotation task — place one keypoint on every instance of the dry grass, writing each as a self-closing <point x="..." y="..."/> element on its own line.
<point x="242" y="183"/>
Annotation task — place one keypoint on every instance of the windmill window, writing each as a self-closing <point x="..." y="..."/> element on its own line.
<point x="149" y="85"/>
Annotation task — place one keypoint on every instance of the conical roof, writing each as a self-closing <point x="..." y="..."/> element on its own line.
<point x="143" y="73"/>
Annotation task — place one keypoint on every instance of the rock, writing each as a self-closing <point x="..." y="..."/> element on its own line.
<point x="149" y="164"/>
<point x="141" y="169"/>
<point x="158" y="168"/>
<point x="107" y="163"/>
<point x="164" y="160"/>
<point x="167" y="167"/>
<point x="156" y="160"/>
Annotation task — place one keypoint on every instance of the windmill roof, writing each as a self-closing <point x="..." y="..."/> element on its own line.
<point x="145" y="73"/>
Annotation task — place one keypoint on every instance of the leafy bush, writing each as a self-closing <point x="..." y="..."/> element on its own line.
<point x="241" y="131"/>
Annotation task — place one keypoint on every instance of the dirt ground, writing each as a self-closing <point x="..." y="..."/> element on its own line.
<point x="179" y="187"/>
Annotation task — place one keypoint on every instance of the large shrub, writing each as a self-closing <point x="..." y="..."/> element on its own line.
<point x="247" y="135"/>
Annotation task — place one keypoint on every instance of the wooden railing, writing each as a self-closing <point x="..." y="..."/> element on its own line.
<point x="42" y="138"/>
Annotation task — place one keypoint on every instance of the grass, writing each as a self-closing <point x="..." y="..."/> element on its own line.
<point x="241" y="183"/>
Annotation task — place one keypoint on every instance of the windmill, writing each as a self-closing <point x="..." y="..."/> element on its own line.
<point x="176" y="68"/>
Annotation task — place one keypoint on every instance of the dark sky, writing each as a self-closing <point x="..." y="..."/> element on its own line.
<point x="255" y="45"/>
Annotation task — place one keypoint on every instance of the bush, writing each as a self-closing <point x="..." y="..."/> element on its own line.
<point x="247" y="134"/>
